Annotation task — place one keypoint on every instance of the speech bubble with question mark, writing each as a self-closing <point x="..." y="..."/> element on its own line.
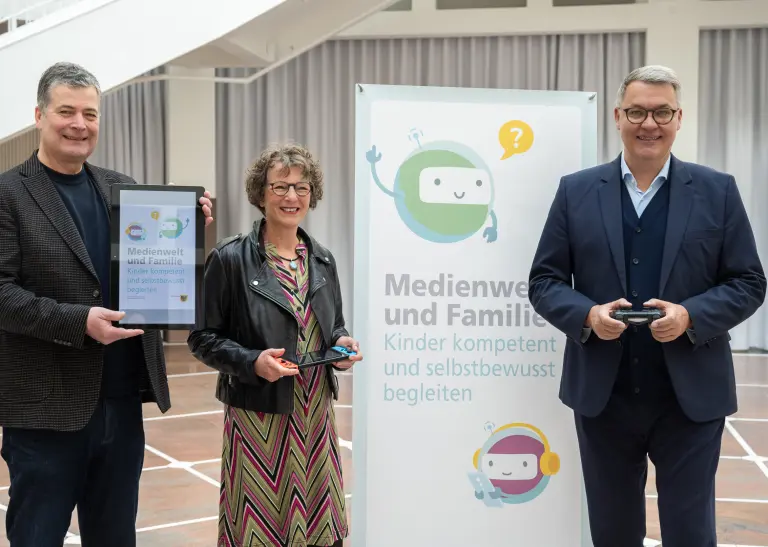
<point x="515" y="137"/>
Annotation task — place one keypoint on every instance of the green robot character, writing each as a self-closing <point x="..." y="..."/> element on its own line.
<point x="171" y="228"/>
<point x="443" y="192"/>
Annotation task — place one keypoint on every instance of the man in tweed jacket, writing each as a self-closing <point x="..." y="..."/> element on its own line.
<point x="71" y="384"/>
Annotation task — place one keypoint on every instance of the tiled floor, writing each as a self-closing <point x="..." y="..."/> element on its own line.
<point x="179" y="487"/>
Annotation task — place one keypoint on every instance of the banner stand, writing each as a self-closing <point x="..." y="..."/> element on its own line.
<point x="459" y="437"/>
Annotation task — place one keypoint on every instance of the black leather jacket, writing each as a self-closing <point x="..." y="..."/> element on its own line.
<point x="245" y="311"/>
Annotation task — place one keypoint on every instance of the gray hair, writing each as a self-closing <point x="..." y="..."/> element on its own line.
<point x="652" y="74"/>
<point x="68" y="74"/>
<point x="287" y="155"/>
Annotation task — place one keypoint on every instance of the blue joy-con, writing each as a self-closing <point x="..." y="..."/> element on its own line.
<point x="345" y="351"/>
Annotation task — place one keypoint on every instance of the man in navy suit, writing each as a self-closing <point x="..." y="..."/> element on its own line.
<point x="648" y="230"/>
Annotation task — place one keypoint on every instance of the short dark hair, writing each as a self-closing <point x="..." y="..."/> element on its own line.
<point x="68" y="74"/>
<point x="289" y="155"/>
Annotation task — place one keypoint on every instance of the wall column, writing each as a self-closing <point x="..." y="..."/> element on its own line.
<point x="191" y="143"/>
<point x="191" y="124"/>
<point x="672" y="39"/>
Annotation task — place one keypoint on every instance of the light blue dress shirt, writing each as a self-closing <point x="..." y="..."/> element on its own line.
<point x="639" y="198"/>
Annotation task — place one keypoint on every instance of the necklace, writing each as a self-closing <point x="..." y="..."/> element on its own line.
<point x="292" y="262"/>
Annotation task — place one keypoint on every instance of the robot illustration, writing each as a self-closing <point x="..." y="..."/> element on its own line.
<point x="136" y="232"/>
<point x="171" y="228"/>
<point x="513" y="466"/>
<point x="443" y="192"/>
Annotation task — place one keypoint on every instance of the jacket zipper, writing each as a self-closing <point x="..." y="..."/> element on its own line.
<point x="280" y="304"/>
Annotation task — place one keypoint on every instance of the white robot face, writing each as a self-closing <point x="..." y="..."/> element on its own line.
<point x="456" y="185"/>
<point x="510" y="467"/>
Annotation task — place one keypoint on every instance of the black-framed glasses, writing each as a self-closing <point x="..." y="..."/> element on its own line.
<point x="281" y="188"/>
<point x="661" y="116"/>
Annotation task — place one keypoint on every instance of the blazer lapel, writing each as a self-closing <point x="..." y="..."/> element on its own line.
<point x="680" y="201"/>
<point x="609" y="195"/>
<point x="102" y="185"/>
<point x="41" y="187"/>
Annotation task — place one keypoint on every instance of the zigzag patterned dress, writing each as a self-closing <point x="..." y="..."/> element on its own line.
<point x="281" y="474"/>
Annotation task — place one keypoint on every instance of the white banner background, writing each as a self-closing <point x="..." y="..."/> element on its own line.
<point x="416" y="426"/>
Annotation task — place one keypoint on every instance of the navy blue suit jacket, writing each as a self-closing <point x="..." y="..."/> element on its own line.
<point x="710" y="266"/>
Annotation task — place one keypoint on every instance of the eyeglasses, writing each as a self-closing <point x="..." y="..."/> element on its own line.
<point x="281" y="188"/>
<point x="661" y="116"/>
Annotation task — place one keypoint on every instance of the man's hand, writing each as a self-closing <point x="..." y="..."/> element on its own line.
<point x="99" y="326"/>
<point x="350" y="344"/>
<point x="673" y="324"/>
<point x="602" y="324"/>
<point x="205" y="201"/>
<point x="269" y="368"/>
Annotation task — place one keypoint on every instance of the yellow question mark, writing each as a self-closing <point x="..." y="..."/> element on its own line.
<point x="515" y="137"/>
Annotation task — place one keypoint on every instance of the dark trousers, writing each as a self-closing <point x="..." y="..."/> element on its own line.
<point x="96" y="469"/>
<point x="615" y="447"/>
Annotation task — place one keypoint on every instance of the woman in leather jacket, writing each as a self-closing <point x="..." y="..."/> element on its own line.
<point x="269" y="293"/>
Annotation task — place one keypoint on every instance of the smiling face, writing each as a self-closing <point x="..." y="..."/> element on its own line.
<point x="289" y="210"/>
<point x="69" y="127"/>
<point x="511" y="467"/>
<point x="512" y="464"/>
<point x="649" y="140"/>
<point x="459" y="185"/>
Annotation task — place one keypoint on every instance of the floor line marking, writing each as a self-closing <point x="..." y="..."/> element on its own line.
<point x="166" y="466"/>
<point x="748" y="449"/>
<point x="204" y="413"/>
<point x="155" y="468"/>
<point x="746" y="458"/>
<point x="179" y="465"/>
<point x="175" y="524"/>
<point x="190" y="374"/>
<point x="189" y="415"/>
<point x="204" y="462"/>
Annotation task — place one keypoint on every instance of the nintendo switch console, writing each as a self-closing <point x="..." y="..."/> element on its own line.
<point x="316" y="358"/>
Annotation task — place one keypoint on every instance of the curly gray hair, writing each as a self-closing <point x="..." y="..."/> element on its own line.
<point x="288" y="155"/>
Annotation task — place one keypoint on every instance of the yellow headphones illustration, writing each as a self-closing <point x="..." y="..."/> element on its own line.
<point x="549" y="463"/>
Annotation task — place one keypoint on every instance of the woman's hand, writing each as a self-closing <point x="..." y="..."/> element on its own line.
<point x="268" y="367"/>
<point x="351" y="344"/>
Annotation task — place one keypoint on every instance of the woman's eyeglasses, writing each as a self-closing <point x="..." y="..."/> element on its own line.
<point x="281" y="188"/>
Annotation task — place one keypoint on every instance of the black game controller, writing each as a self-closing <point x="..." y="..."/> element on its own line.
<point x="638" y="317"/>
